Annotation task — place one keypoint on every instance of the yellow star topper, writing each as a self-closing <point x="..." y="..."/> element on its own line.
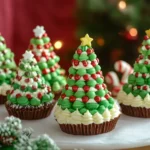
<point x="148" y="32"/>
<point x="86" y="40"/>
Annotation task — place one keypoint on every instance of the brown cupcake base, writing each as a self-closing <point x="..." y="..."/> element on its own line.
<point x="57" y="95"/>
<point x="135" y="111"/>
<point x="30" y="113"/>
<point x="2" y="99"/>
<point x="92" y="129"/>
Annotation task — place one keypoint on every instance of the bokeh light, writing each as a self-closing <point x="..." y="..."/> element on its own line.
<point x="122" y="5"/>
<point x="58" y="45"/>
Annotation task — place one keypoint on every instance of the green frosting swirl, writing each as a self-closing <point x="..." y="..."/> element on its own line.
<point x="105" y="103"/>
<point x="72" y="71"/>
<point x="78" y="105"/>
<point x="56" y="86"/>
<point x="51" y="62"/>
<point x="91" y="83"/>
<point x="38" y="42"/>
<point x="143" y="93"/>
<point x="91" y="106"/>
<point x="110" y="106"/>
<point x="79" y="94"/>
<point x="81" y="72"/>
<point x="66" y="104"/>
<point x="12" y="100"/>
<point x="47" y="77"/>
<point x="100" y="93"/>
<point x="46" y="39"/>
<point x="101" y="109"/>
<point x="92" y="56"/>
<point x="83" y="57"/>
<point x="80" y="83"/>
<point x="135" y="92"/>
<point x="23" y="101"/>
<point x="94" y="111"/>
<point x="42" y="65"/>
<point x="97" y="68"/>
<point x="136" y="68"/>
<point x="76" y="56"/>
<point x="91" y="71"/>
<point x="35" y="102"/>
<point x="91" y="94"/>
<point x="139" y="81"/>
<point x="144" y="70"/>
<point x="111" y="100"/>
<point x="131" y="79"/>
<point x="70" y="82"/>
<point x="69" y="93"/>
<point x="46" y="98"/>
<point x="83" y="111"/>
<point x="99" y="80"/>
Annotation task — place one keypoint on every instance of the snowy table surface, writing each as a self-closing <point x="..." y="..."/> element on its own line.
<point x="130" y="132"/>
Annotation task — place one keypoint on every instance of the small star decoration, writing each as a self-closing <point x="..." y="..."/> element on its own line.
<point x="28" y="55"/>
<point x="86" y="40"/>
<point x="39" y="31"/>
<point x="148" y="32"/>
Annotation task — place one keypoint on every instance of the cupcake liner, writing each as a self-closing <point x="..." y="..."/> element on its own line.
<point x="33" y="113"/>
<point x="141" y="112"/>
<point x="2" y="99"/>
<point x="7" y="140"/>
<point x="57" y="95"/>
<point x="91" y="129"/>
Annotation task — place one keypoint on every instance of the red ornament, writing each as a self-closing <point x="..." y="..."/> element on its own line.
<point x="77" y="77"/>
<point x="35" y="79"/>
<point x="27" y="80"/>
<point x="38" y="58"/>
<point x="85" y="99"/>
<point x="144" y="75"/>
<point x="97" y="60"/>
<point x="107" y="96"/>
<point x="31" y="47"/>
<point x="145" y="62"/>
<point x="46" y="46"/>
<point x="104" y="86"/>
<point x="52" y="69"/>
<point x="86" y="77"/>
<point x="141" y="57"/>
<point x="49" y="89"/>
<point x="29" y="96"/>
<point x="147" y="47"/>
<point x="70" y="76"/>
<point x="98" y="86"/>
<point x="137" y="60"/>
<point x="138" y="86"/>
<point x="8" y="92"/>
<point x="18" y="77"/>
<point x="79" y="51"/>
<point x="63" y="95"/>
<point x="34" y="87"/>
<point x="75" y="88"/>
<point x="45" y="35"/>
<point x="85" y="63"/>
<point x="39" y="95"/>
<point x="97" y="99"/>
<point x="136" y="74"/>
<point x="89" y="51"/>
<point x="23" y="87"/>
<point x="72" y="98"/>
<point x="93" y="63"/>
<point x="45" y="71"/>
<point x="39" y="46"/>
<point x="66" y="86"/>
<point x="18" y="95"/>
<point x="44" y="54"/>
<point x="146" y="37"/>
<point x="145" y="87"/>
<point x="76" y="62"/>
<point x="86" y="88"/>
<point x="94" y="76"/>
<point x="12" y="92"/>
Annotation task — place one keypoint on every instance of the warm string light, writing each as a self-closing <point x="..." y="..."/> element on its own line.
<point x="122" y="5"/>
<point x="100" y="41"/>
<point x="58" y="45"/>
<point x="133" y="32"/>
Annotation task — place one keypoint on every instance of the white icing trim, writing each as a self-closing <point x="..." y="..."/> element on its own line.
<point x="66" y="117"/>
<point x="130" y="100"/>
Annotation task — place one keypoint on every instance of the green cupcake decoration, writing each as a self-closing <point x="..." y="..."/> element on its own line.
<point x="85" y="99"/>
<point x="47" y="60"/>
<point x="29" y="89"/>
<point x="7" y="69"/>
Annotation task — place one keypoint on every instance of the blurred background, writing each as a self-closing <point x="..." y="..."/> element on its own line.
<point x="117" y="26"/>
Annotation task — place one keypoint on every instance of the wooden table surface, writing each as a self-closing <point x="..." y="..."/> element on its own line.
<point x="140" y="148"/>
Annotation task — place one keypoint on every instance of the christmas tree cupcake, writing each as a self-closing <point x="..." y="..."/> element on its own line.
<point x="7" y="69"/>
<point x="134" y="97"/>
<point x="47" y="60"/>
<point x="30" y="98"/>
<point x="85" y="106"/>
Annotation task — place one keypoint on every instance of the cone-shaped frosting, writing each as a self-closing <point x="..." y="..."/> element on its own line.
<point x="136" y="92"/>
<point x="7" y="67"/>
<point x="47" y="60"/>
<point x="85" y="98"/>
<point x="29" y="88"/>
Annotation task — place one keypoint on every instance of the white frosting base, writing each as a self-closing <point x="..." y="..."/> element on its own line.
<point x="130" y="100"/>
<point x="66" y="117"/>
<point x="4" y="88"/>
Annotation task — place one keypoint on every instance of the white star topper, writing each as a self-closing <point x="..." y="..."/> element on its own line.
<point x="39" y="31"/>
<point x="28" y="55"/>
